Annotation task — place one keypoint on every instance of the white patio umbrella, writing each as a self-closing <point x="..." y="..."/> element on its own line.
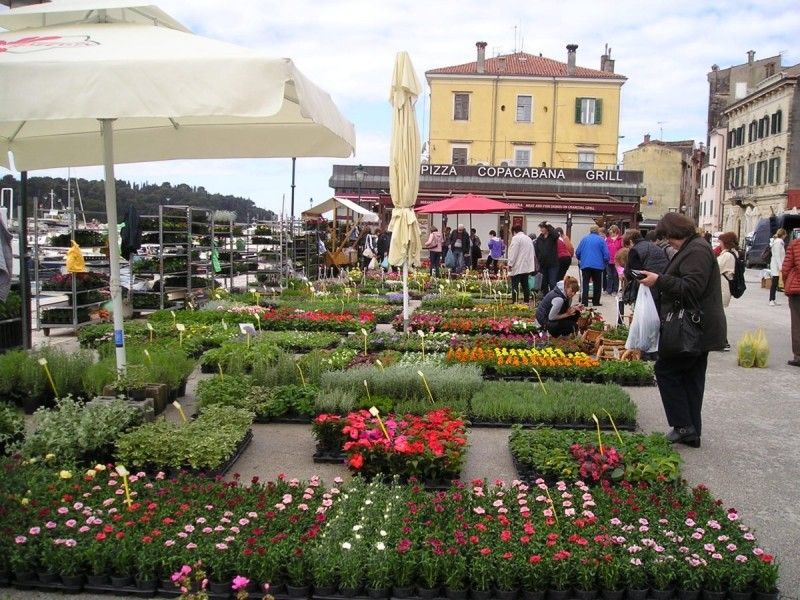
<point x="404" y="161"/>
<point x="143" y="89"/>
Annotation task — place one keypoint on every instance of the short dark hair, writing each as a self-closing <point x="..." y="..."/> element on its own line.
<point x="492" y="232"/>
<point x="516" y="229"/>
<point x="559" y="231"/>
<point x="728" y="239"/>
<point x="676" y="226"/>
<point x="472" y="230"/>
<point x="632" y="237"/>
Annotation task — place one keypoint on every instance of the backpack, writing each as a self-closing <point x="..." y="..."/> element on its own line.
<point x="766" y="255"/>
<point x="737" y="284"/>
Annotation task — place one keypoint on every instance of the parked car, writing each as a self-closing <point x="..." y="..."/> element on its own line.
<point x="765" y="229"/>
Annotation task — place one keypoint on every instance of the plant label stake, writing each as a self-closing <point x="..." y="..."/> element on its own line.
<point x="181" y="328"/>
<point x="224" y="324"/>
<point x="302" y="377"/>
<point x="258" y="320"/>
<point x="552" y="504"/>
<point x="422" y="339"/>
<point x="539" y="377"/>
<point x="221" y="374"/>
<point x="379" y="363"/>
<point x="614" y="425"/>
<point x="599" y="437"/>
<point x="427" y="387"/>
<point x="377" y="414"/>
<point x="341" y="312"/>
<point x="147" y="356"/>
<point x="43" y="362"/>
<point x="123" y="472"/>
<point x="177" y="405"/>
<point x="150" y="329"/>
<point x="174" y="318"/>
<point x="364" y="333"/>
<point x="369" y="398"/>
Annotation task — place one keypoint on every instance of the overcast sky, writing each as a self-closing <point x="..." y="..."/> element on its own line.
<point x="347" y="47"/>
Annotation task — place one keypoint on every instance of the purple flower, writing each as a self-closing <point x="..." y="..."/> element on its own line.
<point x="239" y="583"/>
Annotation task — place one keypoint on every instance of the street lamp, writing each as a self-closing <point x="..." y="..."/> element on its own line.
<point x="359" y="173"/>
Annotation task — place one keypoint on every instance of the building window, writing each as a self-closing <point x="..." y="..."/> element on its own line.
<point x="774" y="173"/>
<point x="586" y="159"/>
<point x="741" y="90"/>
<point x="522" y="156"/>
<point x="739" y="177"/>
<point x="769" y="70"/>
<point x="763" y="127"/>
<point x="460" y="155"/>
<point x="751" y="173"/>
<point x="712" y="176"/>
<point x="714" y="152"/>
<point x="740" y="135"/>
<point x="460" y="107"/>
<point x="752" y="132"/>
<point x="777" y="117"/>
<point x="761" y="172"/>
<point x="524" y="109"/>
<point x="589" y="111"/>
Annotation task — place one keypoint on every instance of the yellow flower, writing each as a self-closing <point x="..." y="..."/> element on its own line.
<point x="99" y="467"/>
<point x="50" y="456"/>
<point x="65" y="474"/>
<point x="24" y="501"/>
<point x="91" y="473"/>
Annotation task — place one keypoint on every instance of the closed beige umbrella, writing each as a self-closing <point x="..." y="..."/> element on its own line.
<point x="404" y="171"/>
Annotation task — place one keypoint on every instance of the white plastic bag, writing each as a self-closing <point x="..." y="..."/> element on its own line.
<point x="646" y="324"/>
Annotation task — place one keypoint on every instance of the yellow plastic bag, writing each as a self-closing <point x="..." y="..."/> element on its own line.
<point x="753" y="350"/>
<point x="75" y="262"/>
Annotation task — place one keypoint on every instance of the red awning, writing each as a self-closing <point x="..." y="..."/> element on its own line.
<point x="469" y="203"/>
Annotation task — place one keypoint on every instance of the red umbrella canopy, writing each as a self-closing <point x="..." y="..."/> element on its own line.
<point x="469" y="203"/>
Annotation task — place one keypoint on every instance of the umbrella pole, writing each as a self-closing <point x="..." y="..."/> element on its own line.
<point x="405" y="295"/>
<point x="113" y="241"/>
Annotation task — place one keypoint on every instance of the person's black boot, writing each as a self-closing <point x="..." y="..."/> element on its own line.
<point x="684" y="435"/>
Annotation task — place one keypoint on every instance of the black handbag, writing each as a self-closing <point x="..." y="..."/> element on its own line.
<point x="681" y="332"/>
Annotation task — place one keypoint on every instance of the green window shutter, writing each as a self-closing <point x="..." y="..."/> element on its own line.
<point x="598" y="111"/>
<point x="578" y="110"/>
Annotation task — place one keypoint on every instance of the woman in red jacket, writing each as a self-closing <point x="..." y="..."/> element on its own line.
<point x="791" y="287"/>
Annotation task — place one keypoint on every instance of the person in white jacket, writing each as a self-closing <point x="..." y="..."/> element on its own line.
<point x="778" y="250"/>
<point x="521" y="263"/>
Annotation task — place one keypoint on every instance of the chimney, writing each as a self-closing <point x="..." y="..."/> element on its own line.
<point x="750" y="56"/>
<point x="571" y="52"/>
<point x="606" y="62"/>
<point x="646" y="138"/>
<point x="481" y="46"/>
<point x="501" y="64"/>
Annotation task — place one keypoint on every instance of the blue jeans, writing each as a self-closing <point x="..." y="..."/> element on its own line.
<point x="436" y="260"/>
<point x="549" y="278"/>
<point x="458" y="256"/>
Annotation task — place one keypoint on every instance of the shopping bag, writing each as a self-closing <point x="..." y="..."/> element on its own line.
<point x="646" y="324"/>
<point x="373" y="264"/>
<point x="535" y="282"/>
<point x="385" y="263"/>
<point x="450" y="260"/>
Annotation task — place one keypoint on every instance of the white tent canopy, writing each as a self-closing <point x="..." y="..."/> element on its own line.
<point x="334" y="202"/>
<point x="65" y="12"/>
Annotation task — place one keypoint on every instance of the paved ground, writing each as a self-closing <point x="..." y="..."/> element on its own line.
<point x="750" y="447"/>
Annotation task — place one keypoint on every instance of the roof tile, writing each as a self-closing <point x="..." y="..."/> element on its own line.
<point x="525" y="65"/>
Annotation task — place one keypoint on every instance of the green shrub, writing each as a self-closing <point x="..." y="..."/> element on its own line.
<point x="204" y="443"/>
<point x="563" y="402"/>
<point x="448" y="385"/>
<point x="335" y="401"/>
<point x="229" y="390"/>
<point x="11" y="365"/>
<point x="12" y="425"/>
<point x="78" y="433"/>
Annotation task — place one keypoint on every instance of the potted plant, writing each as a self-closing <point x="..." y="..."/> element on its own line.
<point x="379" y="571"/>
<point x="610" y="576"/>
<point x="327" y="430"/>
<point x="133" y="383"/>
<point x="535" y="578"/>
<point x="455" y="577"/>
<point x="766" y="577"/>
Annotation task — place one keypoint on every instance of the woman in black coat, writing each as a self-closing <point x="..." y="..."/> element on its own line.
<point x="692" y="278"/>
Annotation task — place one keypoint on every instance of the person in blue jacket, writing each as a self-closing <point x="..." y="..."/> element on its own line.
<point x="592" y="255"/>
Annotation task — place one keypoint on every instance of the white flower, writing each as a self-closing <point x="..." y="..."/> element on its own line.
<point x="346" y="546"/>
<point x="383" y="533"/>
<point x="380" y="546"/>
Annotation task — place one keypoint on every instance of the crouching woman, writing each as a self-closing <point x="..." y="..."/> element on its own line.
<point x="555" y="312"/>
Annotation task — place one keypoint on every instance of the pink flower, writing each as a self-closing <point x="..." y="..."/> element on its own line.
<point x="20" y="539"/>
<point x="62" y="510"/>
<point x="221" y="546"/>
<point x="70" y="543"/>
<point x="51" y="525"/>
<point x="709" y="547"/>
<point x="35" y="530"/>
<point x="83" y="529"/>
<point x="239" y="583"/>
<point x="243" y="522"/>
<point x="191" y="546"/>
<point x="287" y="499"/>
<point x="478" y="510"/>
<point x="71" y="523"/>
<point x="169" y="543"/>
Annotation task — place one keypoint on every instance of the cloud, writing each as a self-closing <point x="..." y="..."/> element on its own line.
<point x="347" y="47"/>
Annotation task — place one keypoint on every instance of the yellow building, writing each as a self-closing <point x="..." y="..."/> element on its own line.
<point x="526" y="111"/>
<point x="671" y="176"/>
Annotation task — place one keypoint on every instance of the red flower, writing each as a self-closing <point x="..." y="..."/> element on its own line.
<point x="485" y="551"/>
<point x="767" y="558"/>
<point x="356" y="461"/>
<point x="535" y="559"/>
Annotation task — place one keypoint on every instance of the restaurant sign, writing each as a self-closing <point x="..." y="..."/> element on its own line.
<point x="522" y="173"/>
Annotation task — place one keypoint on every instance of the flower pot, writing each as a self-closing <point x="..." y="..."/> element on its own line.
<point x="667" y="594"/>
<point x="506" y="594"/>
<point x="298" y="591"/>
<point x="428" y="593"/>
<point x="146" y="584"/>
<point x="47" y="577"/>
<point x="740" y="594"/>
<point x="713" y="595"/>
<point x="402" y="592"/>
<point x="96" y="580"/>
<point x="219" y="588"/>
<point x="120" y="581"/>
<point x="480" y="594"/>
<point x="455" y="594"/>
<point x="167" y="585"/>
<point x="378" y="593"/>
<point x="612" y="594"/>
<point x="533" y="594"/>
<point x="637" y="594"/>
<point x="72" y="582"/>
<point x="23" y="577"/>
<point x="767" y="595"/>
<point x="692" y="595"/>
<point x="327" y="590"/>
<point x="558" y="594"/>
<point x="586" y="594"/>
<point x="348" y="592"/>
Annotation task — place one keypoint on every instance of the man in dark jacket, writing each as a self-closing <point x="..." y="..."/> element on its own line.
<point x="547" y="255"/>
<point x="460" y="247"/>
<point x="692" y="280"/>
